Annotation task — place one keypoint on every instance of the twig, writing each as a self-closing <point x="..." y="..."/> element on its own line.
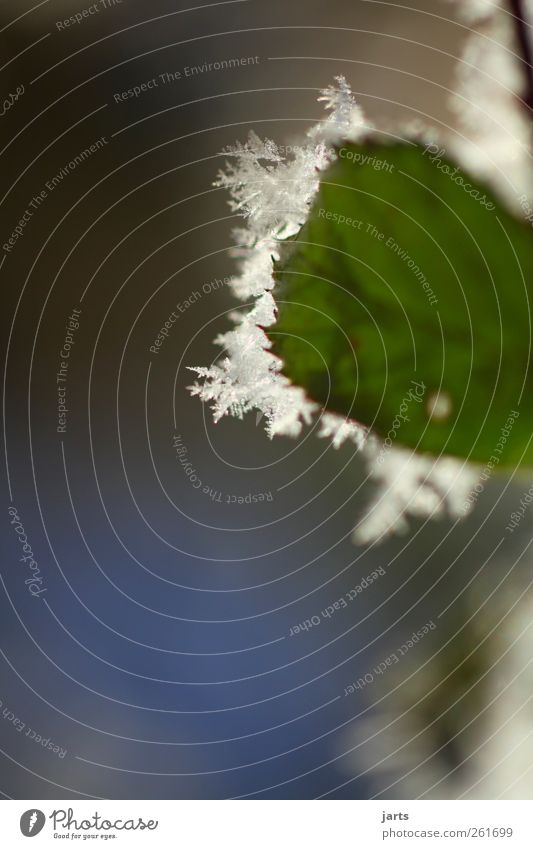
<point x="525" y="47"/>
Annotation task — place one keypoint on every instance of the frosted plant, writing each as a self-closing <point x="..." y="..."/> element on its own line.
<point x="494" y="130"/>
<point x="416" y="485"/>
<point x="273" y="192"/>
<point x="458" y="725"/>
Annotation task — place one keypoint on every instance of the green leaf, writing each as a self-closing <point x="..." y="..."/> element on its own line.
<point x="405" y="303"/>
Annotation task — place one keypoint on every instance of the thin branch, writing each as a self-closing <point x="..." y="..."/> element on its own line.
<point x="523" y="35"/>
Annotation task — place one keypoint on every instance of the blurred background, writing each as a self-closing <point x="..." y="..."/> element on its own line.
<point x="157" y="653"/>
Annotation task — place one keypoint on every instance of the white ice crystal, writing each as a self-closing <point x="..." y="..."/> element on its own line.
<point x="346" y="119"/>
<point x="273" y="193"/>
<point x="339" y="430"/>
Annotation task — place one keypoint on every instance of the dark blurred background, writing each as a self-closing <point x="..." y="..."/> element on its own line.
<point x="159" y="659"/>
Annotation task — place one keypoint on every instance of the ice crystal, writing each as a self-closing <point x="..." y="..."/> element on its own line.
<point x="346" y="119"/>
<point x="339" y="430"/>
